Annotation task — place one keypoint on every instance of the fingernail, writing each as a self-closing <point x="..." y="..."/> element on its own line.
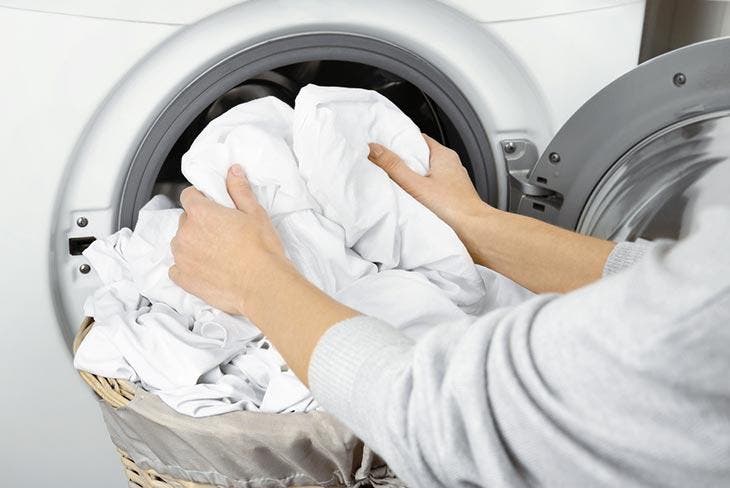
<point x="375" y="149"/>
<point x="236" y="170"/>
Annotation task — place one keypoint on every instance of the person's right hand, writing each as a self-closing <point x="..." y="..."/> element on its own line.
<point x="539" y="256"/>
<point x="446" y="189"/>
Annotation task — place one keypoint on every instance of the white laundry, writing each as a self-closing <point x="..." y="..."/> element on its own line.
<point x="345" y="225"/>
<point x="382" y="223"/>
<point x="258" y="135"/>
<point x="177" y="346"/>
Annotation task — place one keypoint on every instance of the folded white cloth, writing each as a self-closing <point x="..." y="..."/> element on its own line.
<point x="345" y="225"/>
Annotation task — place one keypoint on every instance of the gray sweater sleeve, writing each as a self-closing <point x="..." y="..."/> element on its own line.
<point x="621" y="383"/>
<point x="624" y="255"/>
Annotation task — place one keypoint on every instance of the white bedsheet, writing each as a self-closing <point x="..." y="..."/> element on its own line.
<point x="346" y="226"/>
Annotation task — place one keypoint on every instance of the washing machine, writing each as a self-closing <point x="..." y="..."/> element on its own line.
<point x="100" y="99"/>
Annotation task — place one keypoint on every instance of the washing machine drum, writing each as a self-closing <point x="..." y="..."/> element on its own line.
<point x="637" y="159"/>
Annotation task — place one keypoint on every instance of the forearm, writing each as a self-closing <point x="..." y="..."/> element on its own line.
<point x="539" y="256"/>
<point x="293" y="314"/>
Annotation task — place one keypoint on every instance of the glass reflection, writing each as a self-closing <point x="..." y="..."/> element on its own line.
<point x="652" y="190"/>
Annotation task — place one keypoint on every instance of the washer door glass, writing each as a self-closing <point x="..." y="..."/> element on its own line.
<point x="653" y="190"/>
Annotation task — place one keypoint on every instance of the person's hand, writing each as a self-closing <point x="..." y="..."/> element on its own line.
<point x="233" y="259"/>
<point x="539" y="256"/>
<point x="223" y="255"/>
<point x="446" y="190"/>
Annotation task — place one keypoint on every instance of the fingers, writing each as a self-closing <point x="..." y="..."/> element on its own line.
<point x="190" y="197"/>
<point x="438" y="152"/>
<point x="441" y="158"/>
<point x="394" y="166"/>
<point x="175" y="274"/>
<point x="237" y="186"/>
<point x="433" y="144"/>
<point x="240" y="190"/>
<point x="176" y="242"/>
<point x="183" y="280"/>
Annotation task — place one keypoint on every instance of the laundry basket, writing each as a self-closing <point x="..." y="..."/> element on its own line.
<point x="161" y="448"/>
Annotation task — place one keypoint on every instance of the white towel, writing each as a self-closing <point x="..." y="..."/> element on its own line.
<point x="346" y="226"/>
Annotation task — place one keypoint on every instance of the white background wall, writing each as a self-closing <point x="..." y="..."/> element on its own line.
<point x="670" y="24"/>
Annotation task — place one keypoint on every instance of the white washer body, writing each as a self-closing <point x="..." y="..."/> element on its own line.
<point x="525" y="66"/>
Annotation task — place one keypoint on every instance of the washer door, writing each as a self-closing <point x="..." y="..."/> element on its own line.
<point x="637" y="156"/>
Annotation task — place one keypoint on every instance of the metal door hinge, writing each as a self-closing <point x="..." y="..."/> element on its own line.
<point x="526" y="197"/>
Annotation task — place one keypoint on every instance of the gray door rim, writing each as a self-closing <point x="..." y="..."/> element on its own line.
<point x="679" y="85"/>
<point x="281" y="51"/>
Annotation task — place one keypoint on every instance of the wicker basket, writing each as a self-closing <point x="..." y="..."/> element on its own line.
<point x="119" y="393"/>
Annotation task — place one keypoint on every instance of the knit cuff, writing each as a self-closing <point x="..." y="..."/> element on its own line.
<point x="344" y="353"/>
<point x="625" y="254"/>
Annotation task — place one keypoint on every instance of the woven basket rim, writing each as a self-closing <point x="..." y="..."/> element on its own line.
<point x="115" y="392"/>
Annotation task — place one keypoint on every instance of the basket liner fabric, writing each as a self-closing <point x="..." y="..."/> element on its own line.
<point x="243" y="449"/>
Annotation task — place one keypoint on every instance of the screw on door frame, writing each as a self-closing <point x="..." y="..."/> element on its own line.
<point x="679" y="79"/>
<point x="82" y="221"/>
<point x="84" y="268"/>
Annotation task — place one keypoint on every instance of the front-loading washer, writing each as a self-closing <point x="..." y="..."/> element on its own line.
<point x="102" y="97"/>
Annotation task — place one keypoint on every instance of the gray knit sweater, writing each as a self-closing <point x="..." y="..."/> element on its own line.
<point x="622" y="383"/>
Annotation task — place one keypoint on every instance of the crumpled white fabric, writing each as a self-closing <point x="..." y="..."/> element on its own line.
<point x="345" y="225"/>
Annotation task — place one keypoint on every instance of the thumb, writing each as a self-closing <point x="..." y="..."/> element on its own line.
<point x="240" y="190"/>
<point x="394" y="166"/>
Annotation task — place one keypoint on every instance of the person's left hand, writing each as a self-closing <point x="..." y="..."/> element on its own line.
<point x="224" y="255"/>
